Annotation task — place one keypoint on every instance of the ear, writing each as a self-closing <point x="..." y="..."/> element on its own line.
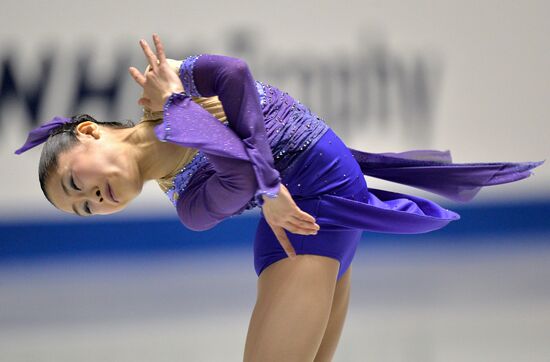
<point x="88" y="129"/>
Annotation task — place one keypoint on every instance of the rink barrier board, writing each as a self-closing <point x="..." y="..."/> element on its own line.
<point x="25" y="239"/>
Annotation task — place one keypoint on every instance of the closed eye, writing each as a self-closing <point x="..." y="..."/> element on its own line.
<point x="86" y="205"/>
<point x="87" y="208"/>
<point x="73" y="184"/>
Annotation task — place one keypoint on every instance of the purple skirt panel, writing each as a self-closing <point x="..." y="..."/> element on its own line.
<point x="327" y="181"/>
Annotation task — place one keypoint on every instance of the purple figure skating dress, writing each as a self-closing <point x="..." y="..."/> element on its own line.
<point x="270" y="138"/>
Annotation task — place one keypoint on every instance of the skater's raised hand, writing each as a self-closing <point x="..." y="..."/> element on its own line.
<point x="282" y="213"/>
<point x="160" y="81"/>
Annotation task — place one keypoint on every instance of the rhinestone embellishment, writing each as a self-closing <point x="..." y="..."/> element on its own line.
<point x="181" y="180"/>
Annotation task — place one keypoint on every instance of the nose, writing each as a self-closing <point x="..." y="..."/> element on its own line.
<point x="98" y="195"/>
<point x="97" y="202"/>
<point x="92" y="195"/>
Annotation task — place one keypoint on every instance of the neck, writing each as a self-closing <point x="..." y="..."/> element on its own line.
<point x="154" y="159"/>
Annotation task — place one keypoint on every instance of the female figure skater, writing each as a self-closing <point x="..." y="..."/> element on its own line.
<point x="218" y="142"/>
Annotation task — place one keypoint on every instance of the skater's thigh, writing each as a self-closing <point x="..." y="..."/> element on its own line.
<point x="286" y="325"/>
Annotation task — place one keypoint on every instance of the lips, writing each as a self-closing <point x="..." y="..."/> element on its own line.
<point x="111" y="195"/>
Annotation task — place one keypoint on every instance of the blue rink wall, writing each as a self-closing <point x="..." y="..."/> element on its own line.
<point x="22" y="239"/>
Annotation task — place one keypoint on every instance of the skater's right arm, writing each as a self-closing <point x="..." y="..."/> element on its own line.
<point x="227" y="190"/>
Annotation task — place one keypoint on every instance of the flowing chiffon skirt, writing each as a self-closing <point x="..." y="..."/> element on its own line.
<point x="328" y="182"/>
<point x="323" y="171"/>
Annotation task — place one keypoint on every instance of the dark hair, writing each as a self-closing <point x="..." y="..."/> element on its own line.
<point x="64" y="138"/>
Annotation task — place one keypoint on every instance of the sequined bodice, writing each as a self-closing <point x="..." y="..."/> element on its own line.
<point x="291" y="126"/>
<point x="291" y="129"/>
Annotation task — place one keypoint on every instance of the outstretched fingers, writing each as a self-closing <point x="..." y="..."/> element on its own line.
<point x="283" y="240"/>
<point x="304" y="220"/>
<point x="151" y="57"/>
<point x="301" y="215"/>
<point x="138" y="77"/>
<point x="160" y="49"/>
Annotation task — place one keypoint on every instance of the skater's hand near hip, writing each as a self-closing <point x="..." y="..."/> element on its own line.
<point x="160" y="81"/>
<point x="282" y="213"/>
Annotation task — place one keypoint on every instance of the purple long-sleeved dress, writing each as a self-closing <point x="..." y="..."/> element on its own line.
<point x="272" y="138"/>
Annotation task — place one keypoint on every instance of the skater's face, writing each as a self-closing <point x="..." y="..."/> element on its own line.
<point x="96" y="176"/>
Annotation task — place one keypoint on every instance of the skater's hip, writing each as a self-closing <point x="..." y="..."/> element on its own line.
<point x="328" y="167"/>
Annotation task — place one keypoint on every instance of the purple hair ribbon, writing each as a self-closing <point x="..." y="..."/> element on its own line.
<point x="40" y="134"/>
